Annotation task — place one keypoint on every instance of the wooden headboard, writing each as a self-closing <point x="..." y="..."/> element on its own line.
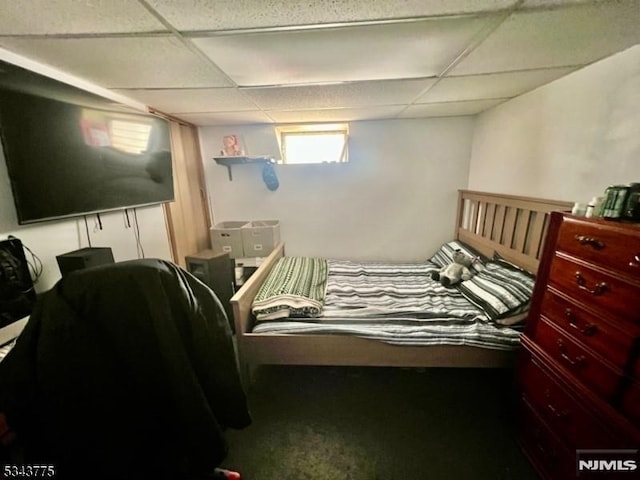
<point x="513" y="226"/>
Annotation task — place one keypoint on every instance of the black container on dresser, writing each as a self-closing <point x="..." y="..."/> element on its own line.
<point x="579" y="371"/>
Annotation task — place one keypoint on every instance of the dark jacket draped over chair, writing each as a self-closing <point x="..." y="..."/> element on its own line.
<point x="125" y="371"/>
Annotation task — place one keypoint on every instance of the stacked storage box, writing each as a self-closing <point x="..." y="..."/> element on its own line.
<point x="245" y="239"/>
<point x="227" y="237"/>
<point x="259" y="237"/>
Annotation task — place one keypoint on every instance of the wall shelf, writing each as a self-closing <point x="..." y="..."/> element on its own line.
<point x="241" y="160"/>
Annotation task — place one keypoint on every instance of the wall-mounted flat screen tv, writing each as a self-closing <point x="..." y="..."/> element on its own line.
<point x="71" y="153"/>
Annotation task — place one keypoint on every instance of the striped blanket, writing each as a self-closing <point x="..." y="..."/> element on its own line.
<point x="398" y="304"/>
<point x="365" y="290"/>
<point x="295" y="287"/>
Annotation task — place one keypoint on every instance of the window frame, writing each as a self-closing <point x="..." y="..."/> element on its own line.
<point x="284" y="131"/>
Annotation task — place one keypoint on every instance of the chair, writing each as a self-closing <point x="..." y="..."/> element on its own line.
<point x="125" y="371"/>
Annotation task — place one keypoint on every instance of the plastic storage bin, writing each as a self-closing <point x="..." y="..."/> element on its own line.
<point x="259" y="237"/>
<point x="227" y="237"/>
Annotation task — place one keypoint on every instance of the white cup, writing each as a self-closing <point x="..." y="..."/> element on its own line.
<point x="579" y="209"/>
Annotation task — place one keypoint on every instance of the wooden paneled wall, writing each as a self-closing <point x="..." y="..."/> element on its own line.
<point x="188" y="218"/>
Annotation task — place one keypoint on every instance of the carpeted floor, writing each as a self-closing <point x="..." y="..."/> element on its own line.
<point x="352" y="423"/>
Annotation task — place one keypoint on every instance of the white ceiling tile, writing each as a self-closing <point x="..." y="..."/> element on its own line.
<point x="373" y="52"/>
<point x="227" y="118"/>
<point x="123" y="62"/>
<point x="75" y="17"/>
<point x="193" y="15"/>
<point x="493" y="85"/>
<point x="193" y="100"/>
<point x="449" y="109"/>
<point x="335" y="115"/>
<point x="356" y="94"/>
<point x="559" y="37"/>
<point x="31" y="77"/>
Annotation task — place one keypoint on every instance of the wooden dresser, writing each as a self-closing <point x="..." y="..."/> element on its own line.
<point x="578" y="371"/>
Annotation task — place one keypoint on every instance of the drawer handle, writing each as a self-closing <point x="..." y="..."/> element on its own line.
<point x="592" y="242"/>
<point x="588" y="330"/>
<point x="598" y="289"/>
<point x="557" y="413"/>
<point x="574" y="362"/>
<point x="635" y="262"/>
<point x="540" y="442"/>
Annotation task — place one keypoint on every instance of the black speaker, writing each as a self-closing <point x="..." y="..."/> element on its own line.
<point x="215" y="270"/>
<point x="17" y="295"/>
<point x="84" y="258"/>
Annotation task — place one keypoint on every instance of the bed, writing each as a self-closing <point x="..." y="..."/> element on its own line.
<point x="511" y="226"/>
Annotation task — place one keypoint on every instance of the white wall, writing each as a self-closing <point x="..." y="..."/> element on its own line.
<point x="49" y="239"/>
<point x="569" y="139"/>
<point x="394" y="200"/>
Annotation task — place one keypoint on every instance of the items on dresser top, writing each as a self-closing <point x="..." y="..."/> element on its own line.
<point x="619" y="202"/>
<point x="579" y="369"/>
<point x="632" y="205"/>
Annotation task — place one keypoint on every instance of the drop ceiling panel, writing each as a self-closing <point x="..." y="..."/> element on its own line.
<point x="373" y="52"/>
<point x="193" y="100"/>
<point x="227" y="118"/>
<point x="356" y="94"/>
<point x="123" y="62"/>
<point x="560" y="37"/>
<point x="74" y="17"/>
<point x="495" y="85"/>
<point x="449" y="109"/>
<point x="366" y="59"/>
<point x="336" y="115"/>
<point x="193" y="15"/>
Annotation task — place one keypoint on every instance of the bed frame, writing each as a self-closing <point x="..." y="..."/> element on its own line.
<point x="513" y="226"/>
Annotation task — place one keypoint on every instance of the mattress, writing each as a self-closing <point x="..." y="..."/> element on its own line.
<point x="396" y="303"/>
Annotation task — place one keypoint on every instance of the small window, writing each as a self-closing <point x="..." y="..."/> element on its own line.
<point x="317" y="143"/>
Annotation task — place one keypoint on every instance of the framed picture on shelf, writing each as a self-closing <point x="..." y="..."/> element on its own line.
<point x="231" y="146"/>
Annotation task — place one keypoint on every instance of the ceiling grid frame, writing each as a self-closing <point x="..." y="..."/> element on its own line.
<point x="476" y="41"/>
<point x="50" y="40"/>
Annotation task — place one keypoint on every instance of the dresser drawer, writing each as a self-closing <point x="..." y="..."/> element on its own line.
<point x="601" y="336"/>
<point x="606" y="245"/>
<point x="547" y="453"/>
<point x="562" y="411"/>
<point x="593" y="287"/>
<point x="574" y="357"/>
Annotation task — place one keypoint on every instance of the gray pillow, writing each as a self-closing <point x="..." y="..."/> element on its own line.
<point x="499" y="290"/>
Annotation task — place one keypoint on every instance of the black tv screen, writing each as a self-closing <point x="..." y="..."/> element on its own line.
<point x="70" y="153"/>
